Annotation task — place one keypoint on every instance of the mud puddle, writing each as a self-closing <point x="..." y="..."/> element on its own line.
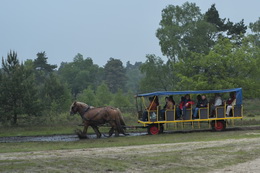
<point x="75" y="137"/>
<point x="52" y="138"/>
<point x="55" y="138"/>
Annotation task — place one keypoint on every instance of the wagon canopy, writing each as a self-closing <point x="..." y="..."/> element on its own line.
<point x="161" y="93"/>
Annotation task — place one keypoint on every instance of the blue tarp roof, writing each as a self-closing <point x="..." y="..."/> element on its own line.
<point x="160" y="93"/>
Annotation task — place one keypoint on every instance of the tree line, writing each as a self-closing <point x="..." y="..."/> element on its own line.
<point x="37" y="88"/>
<point x="203" y="52"/>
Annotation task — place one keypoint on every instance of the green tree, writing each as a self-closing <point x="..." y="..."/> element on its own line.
<point x="158" y="75"/>
<point x="103" y="95"/>
<point x="237" y="29"/>
<point x="41" y="63"/>
<point x="88" y="96"/>
<point x="133" y="75"/>
<point x="55" y="94"/>
<point x="182" y="29"/>
<point x="212" y="16"/>
<point x="227" y="65"/>
<point x="255" y="28"/>
<point x="115" y="75"/>
<point x="226" y="29"/>
<point x="80" y="74"/>
<point x="42" y="68"/>
<point x="185" y="30"/>
<point x="18" y="90"/>
<point x="120" y="100"/>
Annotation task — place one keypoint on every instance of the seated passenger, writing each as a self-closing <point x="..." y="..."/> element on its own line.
<point x="169" y="104"/>
<point x="199" y="98"/>
<point x="202" y="102"/>
<point x="186" y="103"/>
<point x="230" y="103"/>
<point x="179" y="108"/>
<point x="172" y="103"/>
<point x="164" y="108"/>
<point x="166" y="102"/>
<point x="217" y="102"/>
<point x="152" y="107"/>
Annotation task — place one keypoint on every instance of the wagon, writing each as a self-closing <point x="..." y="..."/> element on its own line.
<point x="218" y="121"/>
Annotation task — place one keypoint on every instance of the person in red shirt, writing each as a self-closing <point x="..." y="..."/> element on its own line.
<point x="185" y="103"/>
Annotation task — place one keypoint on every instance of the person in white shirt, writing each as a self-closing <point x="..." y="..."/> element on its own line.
<point x="218" y="102"/>
<point x="230" y="103"/>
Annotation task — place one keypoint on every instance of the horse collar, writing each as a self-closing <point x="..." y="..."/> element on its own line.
<point x="86" y="110"/>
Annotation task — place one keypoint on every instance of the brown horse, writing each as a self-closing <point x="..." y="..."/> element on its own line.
<point x="94" y="117"/>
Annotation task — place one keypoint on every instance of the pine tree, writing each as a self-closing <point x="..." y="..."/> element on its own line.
<point x="18" y="90"/>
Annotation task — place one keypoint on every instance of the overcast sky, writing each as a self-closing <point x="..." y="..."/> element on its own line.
<point x="122" y="29"/>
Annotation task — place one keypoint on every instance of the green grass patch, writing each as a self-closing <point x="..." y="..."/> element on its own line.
<point x="127" y="141"/>
<point x="146" y="159"/>
<point x="35" y="131"/>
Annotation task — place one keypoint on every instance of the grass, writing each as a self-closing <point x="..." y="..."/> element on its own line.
<point x="200" y="159"/>
<point x="35" y="131"/>
<point x="126" y="141"/>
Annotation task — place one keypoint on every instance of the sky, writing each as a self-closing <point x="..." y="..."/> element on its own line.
<point x="99" y="29"/>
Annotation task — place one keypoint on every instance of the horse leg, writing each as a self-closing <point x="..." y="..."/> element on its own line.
<point x="116" y="133"/>
<point x="113" y="128"/>
<point x="84" y="132"/>
<point x="95" y="128"/>
<point x="111" y="131"/>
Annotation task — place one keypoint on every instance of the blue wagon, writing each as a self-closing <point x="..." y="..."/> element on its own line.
<point x="156" y="119"/>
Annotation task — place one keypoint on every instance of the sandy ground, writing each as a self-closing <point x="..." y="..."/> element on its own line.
<point x="252" y="166"/>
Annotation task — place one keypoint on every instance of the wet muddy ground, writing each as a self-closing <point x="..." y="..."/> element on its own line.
<point x="54" y="138"/>
<point x="75" y="137"/>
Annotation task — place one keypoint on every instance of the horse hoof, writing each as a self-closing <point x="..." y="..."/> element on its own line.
<point x="80" y="134"/>
<point x="83" y="137"/>
<point x="98" y="137"/>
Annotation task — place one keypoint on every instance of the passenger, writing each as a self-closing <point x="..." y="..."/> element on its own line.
<point x="156" y="100"/>
<point x="166" y="102"/>
<point x="180" y="107"/>
<point x="230" y="103"/>
<point x="152" y="107"/>
<point x="217" y="102"/>
<point x="172" y="102"/>
<point x="169" y="104"/>
<point x="195" y="110"/>
<point x="162" y="112"/>
<point x="186" y="103"/>
<point x="202" y="102"/>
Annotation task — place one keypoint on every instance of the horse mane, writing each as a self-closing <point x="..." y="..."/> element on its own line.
<point x="82" y="104"/>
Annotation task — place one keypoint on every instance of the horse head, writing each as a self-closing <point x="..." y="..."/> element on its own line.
<point x="78" y="107"/>
<point x="73" y="108"/>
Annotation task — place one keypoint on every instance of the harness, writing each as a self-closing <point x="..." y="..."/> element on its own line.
<point x="86" y="110"/>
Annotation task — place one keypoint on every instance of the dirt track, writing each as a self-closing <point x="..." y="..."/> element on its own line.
<point x="124" y="154"/>
<point x="252" y="166"/>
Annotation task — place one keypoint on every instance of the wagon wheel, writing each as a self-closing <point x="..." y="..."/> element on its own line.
<point x="153" y="129"/>
<point x="218" y="125"/>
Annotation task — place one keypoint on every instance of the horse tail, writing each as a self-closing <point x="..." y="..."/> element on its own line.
<point x="120" y="122"/>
